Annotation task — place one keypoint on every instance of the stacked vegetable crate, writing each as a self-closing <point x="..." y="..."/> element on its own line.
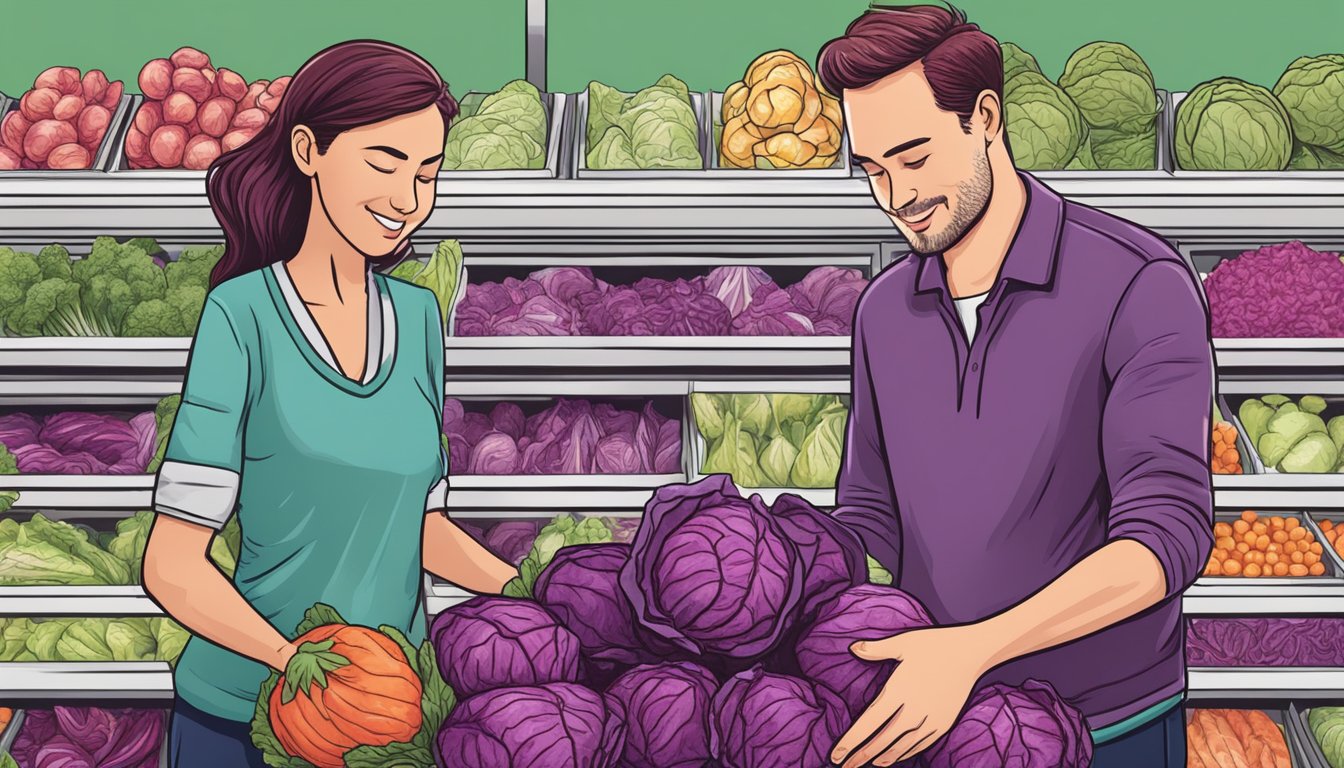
<point x="666" y="225"/>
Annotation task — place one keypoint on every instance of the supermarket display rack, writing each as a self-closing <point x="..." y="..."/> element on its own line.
<point x="656" y="222"/>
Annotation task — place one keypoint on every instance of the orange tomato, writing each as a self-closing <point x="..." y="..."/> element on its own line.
<point x="1297" y="557"/>
<point x="1252" y="570"/>
<point x="1296" y="534"/>
<point x="1240" y="527"/>
<point x="1248" y="516"/>
<point x="1222" y="529"/>
<point x="1291" y="523"/>
<point x="1318" y="569"/>
<point x="1297" y="569"/>
<point x="1280" y="569"/>
<point x="1276" y="522"/>
<point x="1243" y="547"/>
<point x="1232" y="568"/>
<point x="1280" y="536"/>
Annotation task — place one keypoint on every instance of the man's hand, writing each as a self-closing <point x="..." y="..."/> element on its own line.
<point x="936" y="671"/>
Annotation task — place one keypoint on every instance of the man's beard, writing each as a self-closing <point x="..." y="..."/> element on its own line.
<point x="972" y="198"/>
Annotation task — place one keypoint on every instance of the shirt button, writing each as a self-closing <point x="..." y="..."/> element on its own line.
<point x="975" y="367"/>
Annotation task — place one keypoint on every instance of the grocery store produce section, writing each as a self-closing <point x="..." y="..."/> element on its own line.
<point x="645" y="289"/>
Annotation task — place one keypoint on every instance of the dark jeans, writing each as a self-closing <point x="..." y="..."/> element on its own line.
<point x="1159" y="744"/>
<point x="198" y="740"/>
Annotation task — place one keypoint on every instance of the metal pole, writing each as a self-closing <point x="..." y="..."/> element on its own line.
<point x="536" y="43"/>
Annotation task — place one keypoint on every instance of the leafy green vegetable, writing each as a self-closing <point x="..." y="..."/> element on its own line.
<point x="506" y="131"/>
<point x="709" y="411"/>
<point x="7" y="761"/>
<point x="654" y="128"/>
<point x="1309" y="158"/>
<point x="8" y="464"/>
<point x="128" y="639"/>
<point x="129" y="543"/>
<point x="165" y="415"/>
<point x="1045" y="127"/>
<point x="225" y="546"/>
<point x="1016" y="61"/>
<point x="777" y="459"/>
<point x="1112" y="87"/>
<point x="1327" y="725"/>
<point x="1230" y="124"/>
<point x="44" y="552"/>
<point x="1113" y="151"/>
<point x="445" y="275"/>
<point x="563" y="531"/>
<point x="734" y="454"/>
<point x="7" y="499"/>
<point x="819" y="460"/>
<point x="1312" y="91"/>
<point x="876" y="573"/>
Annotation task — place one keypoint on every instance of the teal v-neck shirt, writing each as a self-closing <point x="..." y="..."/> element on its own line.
<point x="333" y="473"/>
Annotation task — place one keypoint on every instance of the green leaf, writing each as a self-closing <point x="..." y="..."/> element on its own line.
<point x="263" y="736"/>
<point x="517" y="587"/>
<point x="309" y="667"/>
<point x="395" y="755"/>
<point x="7" y="761"/>
<point x="439" y="698"/>
<point x="320" y="615"/>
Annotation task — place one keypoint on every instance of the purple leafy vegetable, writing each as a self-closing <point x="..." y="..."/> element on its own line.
<point x="496" y="642"/>
<point x="1028" y="725"/>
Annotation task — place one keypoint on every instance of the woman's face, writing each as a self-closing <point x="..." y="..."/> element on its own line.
<point x="376" y="182"/>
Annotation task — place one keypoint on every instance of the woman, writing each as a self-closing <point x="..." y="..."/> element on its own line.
<point x="313" y="398"/>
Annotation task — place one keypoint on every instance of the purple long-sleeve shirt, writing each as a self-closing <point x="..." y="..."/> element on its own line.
<point x="1079" y="415"/>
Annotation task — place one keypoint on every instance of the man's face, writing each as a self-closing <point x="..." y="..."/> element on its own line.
<point x="929" y="174"/>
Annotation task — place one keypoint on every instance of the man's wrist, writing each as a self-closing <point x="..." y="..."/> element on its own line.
<point x="987" y="643"/>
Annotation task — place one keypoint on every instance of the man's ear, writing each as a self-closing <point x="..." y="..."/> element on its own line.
<point x="303" y="146"/>
<point x="989" y="111"/>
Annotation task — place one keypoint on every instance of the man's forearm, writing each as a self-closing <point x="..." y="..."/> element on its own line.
<point x="1116" y="582"/>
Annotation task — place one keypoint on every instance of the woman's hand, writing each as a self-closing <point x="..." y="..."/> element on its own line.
<point x="453" y="555"/>
<point x="282" y="656"/>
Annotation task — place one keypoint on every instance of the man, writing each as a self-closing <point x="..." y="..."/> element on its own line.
<point x="1028" y="442"/>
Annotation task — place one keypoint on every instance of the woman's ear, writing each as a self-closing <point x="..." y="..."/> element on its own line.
<point x="989" y="110"/>
<point x="303" y="145"/>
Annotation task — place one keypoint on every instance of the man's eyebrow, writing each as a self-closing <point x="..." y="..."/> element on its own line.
<point x="435" y="159"/>
<point x="393" y="152"/>
<point x="860" y="159"/>
<point x="899" y="148"/>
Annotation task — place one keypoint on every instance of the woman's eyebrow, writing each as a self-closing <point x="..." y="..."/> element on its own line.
<point x="389" y="150"/>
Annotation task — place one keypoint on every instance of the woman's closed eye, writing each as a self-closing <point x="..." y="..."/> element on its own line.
<point x="381" y="169"/>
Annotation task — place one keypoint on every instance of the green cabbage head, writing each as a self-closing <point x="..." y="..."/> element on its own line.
<point x="1307" y="157"/>
<point x="506" y="131"/>
<point x="1112" y="86"/>
<point x="1116" y="151"/>
<point x="1312" y="90"/>
<point x="1232" y="125"/>
<point x="1045" y="127"/>
<point x="655" y="128"/>
<point x="1017" y="61"/>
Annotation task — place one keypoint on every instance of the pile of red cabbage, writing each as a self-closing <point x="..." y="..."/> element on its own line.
<point x="572" y="437"/>
<point x="1285" y="290"/>
<point x="89" y="737"/>
<point x="729" y="301"/>
<point x="720" y="636"/>
<point x="78" y="443"/>
<point x="1265" y="641"/>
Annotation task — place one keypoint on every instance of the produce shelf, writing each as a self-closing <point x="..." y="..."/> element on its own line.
<point x="104" y="492"/>
<point x="82" y="205"/>
<point x="645" y="483"/>
<point x="1261" y="683"/>
<point x="726" y="355"/>
<point x="1279" y="354"/>
<point x="1279" y="491"/>
<point x="76" y="602"/>
<point x="1259" y="597"/>
<point x="119" y="683"/>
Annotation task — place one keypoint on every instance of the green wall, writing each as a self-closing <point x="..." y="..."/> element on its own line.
<point x="478" y="44"/>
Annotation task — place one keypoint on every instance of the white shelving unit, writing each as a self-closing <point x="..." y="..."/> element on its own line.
<point x="703" y="220"/>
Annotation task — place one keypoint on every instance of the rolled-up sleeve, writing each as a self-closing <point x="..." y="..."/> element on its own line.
<point x="437" y="499"/>
<point x="864" y="498"/>
<point x="1155" y="425"/>
<point x="199" y="479"/>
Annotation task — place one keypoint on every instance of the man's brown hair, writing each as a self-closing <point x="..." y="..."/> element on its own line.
<point x="960" y="61"/>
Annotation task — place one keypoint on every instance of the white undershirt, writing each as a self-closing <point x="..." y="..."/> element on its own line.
<point x="967" y="311"/>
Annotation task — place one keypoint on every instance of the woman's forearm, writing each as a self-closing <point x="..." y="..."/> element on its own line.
<point x="452" y="554"/>
<point x="180" y="577"/>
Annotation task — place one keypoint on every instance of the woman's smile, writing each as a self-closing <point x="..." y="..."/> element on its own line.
<point x="392" y="226"/>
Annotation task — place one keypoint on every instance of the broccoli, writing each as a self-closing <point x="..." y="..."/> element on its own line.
<point x="51" y="308"/>
<point x="177" y="314"/>
<point x="113" y="280"/>
<point x="18" y="272"/>
<point x="193" y="267"/>
<point x="54" y="261"/>
<point x="165" y="415"/>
